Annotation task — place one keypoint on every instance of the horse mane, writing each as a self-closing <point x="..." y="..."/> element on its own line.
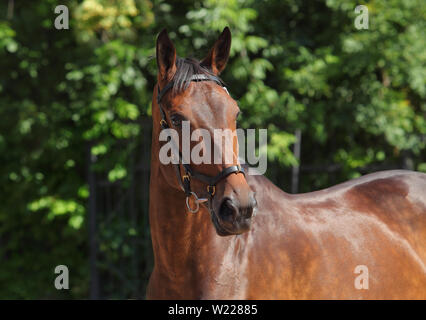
<point x="186" y="68"/>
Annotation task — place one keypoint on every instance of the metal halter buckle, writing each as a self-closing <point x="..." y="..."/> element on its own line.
<point x="163" y="122"/>
<point x="197" y="203"/>
<point x="213" y="190"/>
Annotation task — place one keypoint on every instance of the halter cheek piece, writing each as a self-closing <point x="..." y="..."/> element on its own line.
<point x="185" y="180"/>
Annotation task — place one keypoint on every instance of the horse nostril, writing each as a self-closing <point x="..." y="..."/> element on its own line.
<point x="251" y="207"/>
<point x="231" y="210"/>
<point x="228" y="209"/>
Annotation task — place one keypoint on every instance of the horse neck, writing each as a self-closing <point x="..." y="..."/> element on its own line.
<point x="174" y="230"/>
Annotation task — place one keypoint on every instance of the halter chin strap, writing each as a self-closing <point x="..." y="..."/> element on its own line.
<point x="185" y="180"/>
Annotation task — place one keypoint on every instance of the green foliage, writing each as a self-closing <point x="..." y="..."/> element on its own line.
<point x="79" y="100"/>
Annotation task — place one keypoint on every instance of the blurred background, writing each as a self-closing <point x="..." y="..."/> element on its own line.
<point x="75" y="118"/>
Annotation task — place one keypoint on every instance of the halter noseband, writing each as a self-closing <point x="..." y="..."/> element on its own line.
<point x="185" y="181"/>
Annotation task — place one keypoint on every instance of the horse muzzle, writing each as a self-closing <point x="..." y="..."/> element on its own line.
<point x="233" y="216"/>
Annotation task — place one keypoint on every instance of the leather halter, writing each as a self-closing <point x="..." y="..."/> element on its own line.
<point x="185" y="181"/>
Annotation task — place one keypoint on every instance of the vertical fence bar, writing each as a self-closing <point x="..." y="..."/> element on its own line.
<point x="295" y="169"/>
<point x="93" y="243"/>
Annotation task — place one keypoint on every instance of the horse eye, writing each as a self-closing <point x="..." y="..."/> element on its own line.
<point x="176" y="120"/>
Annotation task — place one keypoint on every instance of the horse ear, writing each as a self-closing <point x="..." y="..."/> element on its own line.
<point x="166" y="56"/>
<point x="218" y="56"/>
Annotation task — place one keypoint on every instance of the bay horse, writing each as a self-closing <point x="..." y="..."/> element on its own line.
<point x="251" y="240"/>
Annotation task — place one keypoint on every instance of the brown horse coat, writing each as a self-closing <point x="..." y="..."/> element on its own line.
<point x="299" y="246"/>
<point x="305" y="246"/>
